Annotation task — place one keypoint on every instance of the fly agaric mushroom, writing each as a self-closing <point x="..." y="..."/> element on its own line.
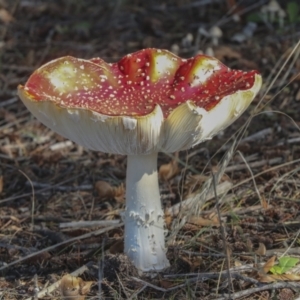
<point x="149" y="101"/>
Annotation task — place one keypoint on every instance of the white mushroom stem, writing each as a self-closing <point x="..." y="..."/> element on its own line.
<point x="144" y="218"/>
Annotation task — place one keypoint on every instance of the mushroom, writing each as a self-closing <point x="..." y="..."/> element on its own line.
<point x="187" y="41"/>
<point x="215" y="33"/>
<point x="272" y="9"/>
<point x="149" y="101"/>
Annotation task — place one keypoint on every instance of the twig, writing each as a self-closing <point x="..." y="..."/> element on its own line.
<point x="17" y="67"/>
<point x="256" y="164"/>
<point x="189" y="5"/>
<point x="84" y="187"/>
<point x="157" y="287"/>
<point x="36" y="287"/>
<point x="278" y="252"/>
<point x="85" y="224"/>
<point x="39" y="218"/>
<point x="289" y="141"/>
<point x="285" y="198"/>
<point x="242" y="12"/>
<point x="48" y="290"/>
<point x="233" y="270"/>
<point x="207" y="254"/>
<point x="198" y="277"/>
<point x="17" y="122"/>
<point x="83" y="236"/>
<point x="293" y="242"/>
<point x="260" y="135"/>
<point x="212" y="275"/>
<point x="266" y="171"/>
<point x="8" y="101"/>
<point x="275" y="285"/>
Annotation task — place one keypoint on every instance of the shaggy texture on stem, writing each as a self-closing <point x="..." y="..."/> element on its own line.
<point x="144" y="222"/>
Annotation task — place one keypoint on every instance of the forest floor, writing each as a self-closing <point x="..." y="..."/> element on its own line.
<point x="52" y="189"/>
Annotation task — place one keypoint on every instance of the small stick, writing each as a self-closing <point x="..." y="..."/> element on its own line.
<point x="213" y="275"/>
<point x="238" y="269"/>
<point x="275" y="285"/>
<point x="85" y="224"/>
<point x="260" y="135"/>
<point x="84" y="187"/>
<point x="9" y="101"/>
<point x="157" y="287"/>
<point x="256" y="164"/>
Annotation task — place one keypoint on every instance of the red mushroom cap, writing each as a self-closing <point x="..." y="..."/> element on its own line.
<point x="148" y="98"/>
<point x="137" y="83"/>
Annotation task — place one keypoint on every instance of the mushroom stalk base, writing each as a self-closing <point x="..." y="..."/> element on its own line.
<point x="144" y="218"/>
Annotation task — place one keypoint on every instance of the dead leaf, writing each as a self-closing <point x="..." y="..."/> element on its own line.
<point x="279" y="277"/>
<point x="168" y="220"/>
<point x="104" y="189"/>
<point x="266" y="278"/>
<point x="166" y="284"/>
<point x="119" y="193"/>
<point x="261" y="249"/>
<point x="267" y="266"/>
<point x="237" y="263"/>
<point x="193" y="262"/>
<point x="207" y="221"/>
<point x="74" y="287"/>
<point x="264" y="202"/>
<point x="167" y="171"/>
<point x="248" y="63"/>
<point x="196" y="179"/>
<point x="5" y="16"/>
<point x="223" y="52"/>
